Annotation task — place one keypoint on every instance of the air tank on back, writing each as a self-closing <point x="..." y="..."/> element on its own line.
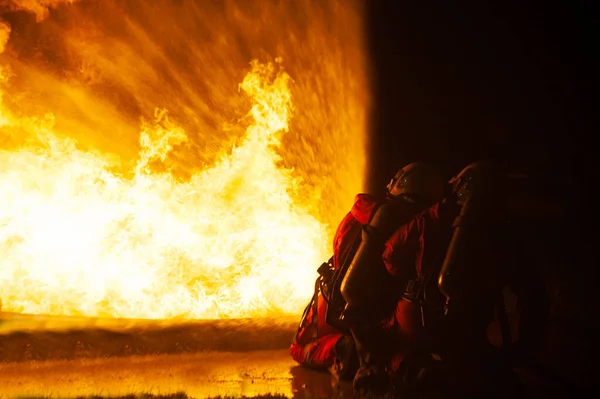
<point x="471" y="265"/>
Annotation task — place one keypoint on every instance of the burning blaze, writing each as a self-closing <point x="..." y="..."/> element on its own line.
<point x="77" y="239"/>
<point x="88" y="229"/>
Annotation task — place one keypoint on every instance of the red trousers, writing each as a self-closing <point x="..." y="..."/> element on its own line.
<point x="405" y="331"/>
<point x="319" y="353"/>
<point x="314" y="344"/>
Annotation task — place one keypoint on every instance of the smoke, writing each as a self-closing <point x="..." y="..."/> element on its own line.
<point x="41" y="8"/>
<point x="89" y="72"/>
<point x="100" y="66"/>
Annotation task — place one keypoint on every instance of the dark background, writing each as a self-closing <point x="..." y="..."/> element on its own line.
<point x="456" y="84"/>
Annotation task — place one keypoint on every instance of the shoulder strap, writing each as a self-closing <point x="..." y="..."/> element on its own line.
<point x="356" y="240"/>
<point x="312" y="304"/>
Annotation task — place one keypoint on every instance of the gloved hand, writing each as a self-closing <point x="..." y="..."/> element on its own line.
<point x="418" y="373"/>
<point x="372" y="381"/>
<point x="346" y="360"/>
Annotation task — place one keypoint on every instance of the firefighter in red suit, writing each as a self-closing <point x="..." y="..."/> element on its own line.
<point x="321" y="345"/>
<point x="445" y="305"/>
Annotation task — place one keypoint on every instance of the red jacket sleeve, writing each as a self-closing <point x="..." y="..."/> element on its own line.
<point x="340" y="240"/>
<point x="401" y="249"/>
<point x="416" y="243"/>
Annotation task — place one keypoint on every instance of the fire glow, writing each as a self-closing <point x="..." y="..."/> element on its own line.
<point x="237" y="238"/>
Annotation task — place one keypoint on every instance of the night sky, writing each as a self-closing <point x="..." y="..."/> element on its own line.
<point x="457" y="84"/>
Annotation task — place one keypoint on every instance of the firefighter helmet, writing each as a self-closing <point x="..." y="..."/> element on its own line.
<point x="478" y="178"/>
<point x="417" y="182"/>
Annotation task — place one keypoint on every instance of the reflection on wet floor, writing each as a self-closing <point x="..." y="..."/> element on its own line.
<point x="67" y="357"/>
<point x="53" y="356"/>
<point x="199" y="375"/>
<point x="312" y="384"/>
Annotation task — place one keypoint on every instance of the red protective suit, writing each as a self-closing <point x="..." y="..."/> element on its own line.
<point x="415" y="249"/>
<point x="470" y="363"/>
<point x="314" y="345"/>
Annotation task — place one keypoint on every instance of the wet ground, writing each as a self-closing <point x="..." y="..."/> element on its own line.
<point x="199" y="375"/>
<point x="68" y="357"/>
<point x="30" y="337"/>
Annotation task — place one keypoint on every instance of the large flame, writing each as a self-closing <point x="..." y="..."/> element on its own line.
<point x="40" y="8"/>
<point x="84" y="232"/>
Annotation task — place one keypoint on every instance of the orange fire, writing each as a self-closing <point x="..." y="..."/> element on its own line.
<point x="179" y="229"/>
